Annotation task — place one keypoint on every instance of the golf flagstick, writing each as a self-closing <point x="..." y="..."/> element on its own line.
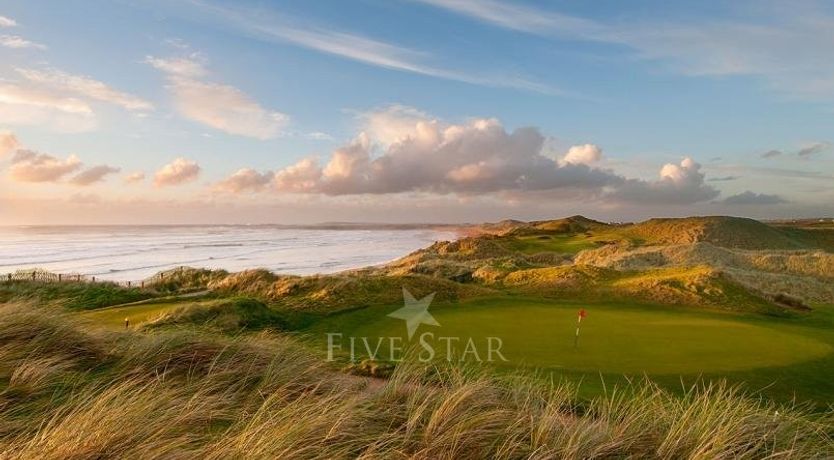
<point x="582" y="314"/>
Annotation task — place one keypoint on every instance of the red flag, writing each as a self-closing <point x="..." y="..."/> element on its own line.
<point x="582" y="313"/>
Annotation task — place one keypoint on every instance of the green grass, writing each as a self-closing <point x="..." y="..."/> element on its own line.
<point x="113" y="318"/>
<point x="787" y="356"/>
<point x="565" y="244"/>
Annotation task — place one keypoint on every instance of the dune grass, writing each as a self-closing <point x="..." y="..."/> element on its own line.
<point x="69" y="392"/>
<point x="70" y="294"/>
<point x="227" y="314"/>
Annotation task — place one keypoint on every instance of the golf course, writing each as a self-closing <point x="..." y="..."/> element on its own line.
<point x="782" y="358"/>
<point x="699" y="338"/>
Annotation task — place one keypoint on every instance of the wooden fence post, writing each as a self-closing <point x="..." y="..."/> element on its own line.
<point x="33" y="275"/>
<point x="128" y="284"/>
<point x="59" y="277"/>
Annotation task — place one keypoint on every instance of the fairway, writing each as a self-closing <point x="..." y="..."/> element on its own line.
<point x="615" y="339"/>
<point x="114" y="317"/>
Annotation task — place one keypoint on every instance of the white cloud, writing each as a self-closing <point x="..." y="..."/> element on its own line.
<point x="8" y="143"/>
<point x="18" y="42"/>
<point x="192" y="67"/>
<point x="134" y="177"/>
<point x="319" y="136"/>
<point x="517" y="16"/>
<point x="219" y="106"/>
<point x="395" y="123"/>
<point x="245" y="179"/>
<point x="302" y="176"/>
<point x="84" y="86"/>
<point x="679" y="184"/>
<point x="402" y="150"/>
<point x="226" y="108"/>
<point x="425" y="155"/>
<point x="790" y="47"/>
<point x="92" y="175"/>
<point x="179" y="171"/>
<point x="35" y="106"/>
<point x="585" y="154"/>
<point x="7" y="22"/>
<point x="363" y="49"/>
<point x="29" y="166"/>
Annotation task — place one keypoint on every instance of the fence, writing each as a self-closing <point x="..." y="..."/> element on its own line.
<point x="44" y="276"/>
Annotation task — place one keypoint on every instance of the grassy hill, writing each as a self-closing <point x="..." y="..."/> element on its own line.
<point x="731" y="232"/>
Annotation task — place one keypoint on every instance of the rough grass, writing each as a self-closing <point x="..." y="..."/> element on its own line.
<point x="329" y="293"/>
<point x="227" y="315"/>
<point x="694" y="286"/>
<point x="180" y="394"/>
<point x="72" y="295"/>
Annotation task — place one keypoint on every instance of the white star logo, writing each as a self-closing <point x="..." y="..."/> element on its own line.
<point x="415" y="312"/>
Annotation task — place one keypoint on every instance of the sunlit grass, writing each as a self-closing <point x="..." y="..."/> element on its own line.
<point x="69" y="392"/>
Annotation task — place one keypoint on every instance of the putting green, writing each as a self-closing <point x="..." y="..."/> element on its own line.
<point x="619" y="339"/>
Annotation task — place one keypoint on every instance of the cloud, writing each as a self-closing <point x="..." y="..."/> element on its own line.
<point x="245" y="179"/>
<point x="319" y="136"/>
<point x="813" y="149"/>
<point x="585" y="154"/>
<point x="723" y="179"/>
<point x="21" y="105"/>
<point x="403" y="150"/>
<point x="92" y="175"/>
<point x="763" y="45"/>
<point x="516" y="16"/>
<point x="394" y="123"/>
<point x="805" y="152"/>
<point x="678" y="184"/>
<point x="84" y="86"/>
<point x="226" y="108"/>
<point x="219" y="106"/>
<point x="362" y="49"/>
<point x="30" y="166"/>
<point x="134" y="177"/>
<point x="179" y="171"/>
<point x="8" y="143"/>
<point x="18" y="42"/>
<point x="192" y="67"/>
<point x="7" y="22"/>
<point x="750" y="198"/>
<point x="302" y="176"/>
<point x="415" y="154"/>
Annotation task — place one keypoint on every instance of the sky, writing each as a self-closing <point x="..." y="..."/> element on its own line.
<point x="288" y="112"/>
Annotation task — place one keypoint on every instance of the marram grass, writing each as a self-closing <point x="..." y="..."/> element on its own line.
<point x="66" y="392"/>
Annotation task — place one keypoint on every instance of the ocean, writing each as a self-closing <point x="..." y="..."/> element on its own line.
<point x="132" y="253"/>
